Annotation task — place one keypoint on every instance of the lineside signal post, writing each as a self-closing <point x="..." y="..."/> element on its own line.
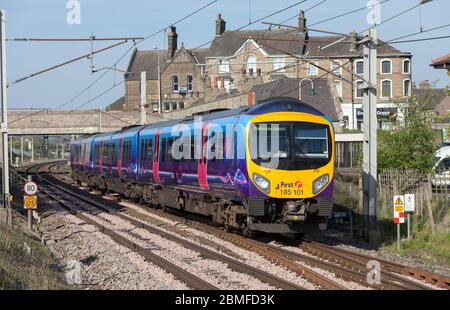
<point x="409" y="208"/>
<point x="399" y="215"/>
<point x="30" y="200"/>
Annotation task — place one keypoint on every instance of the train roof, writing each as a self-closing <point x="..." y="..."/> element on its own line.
<point x="278" y="104"/>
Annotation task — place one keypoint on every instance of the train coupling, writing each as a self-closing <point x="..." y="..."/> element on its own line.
<point x="294" y="211"/>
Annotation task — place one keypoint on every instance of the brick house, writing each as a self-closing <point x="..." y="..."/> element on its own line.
<point x="181" y="77"/>
<point x="237" y="60"/>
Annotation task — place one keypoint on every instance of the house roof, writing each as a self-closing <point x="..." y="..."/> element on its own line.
<point x="430" y="97"/>
<point x="441" y="60"/>
<point x="116" y="105"/>
<point x="323" y="99"/>
<point x="148" y="61"/>
<point x="280" y="41"/>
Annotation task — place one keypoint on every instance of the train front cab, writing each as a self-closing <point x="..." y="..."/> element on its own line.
<point x="291" y="186"/>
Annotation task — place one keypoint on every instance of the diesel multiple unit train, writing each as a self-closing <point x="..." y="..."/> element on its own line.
<point x="267" y="167"/>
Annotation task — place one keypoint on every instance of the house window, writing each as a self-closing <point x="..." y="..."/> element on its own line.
<point x="338" y="88"/>
<point x="190" y="83"/>
<point x="166" y="107"/>
<point x="336" y="67"/>
<point x="359" y="67"/>
<point x="278" y="64"/>
<point x="359" y="92"/>
<point x="406" y="66"/>
<point x="406" y="88"/>
<point x="251" y="65"/>
<point x="181" y="105"/>
<point x="386" y="89"/>
<point x="224" y="66"/>
<point x="175" y="87"/>
<point x="174" y="106"/>
<point x="312" y="69"/>
<point x="386" y="66"/>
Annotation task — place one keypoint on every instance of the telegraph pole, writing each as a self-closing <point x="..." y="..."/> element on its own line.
<point x="370" y="133"/>
<point x="143" y="97"/>
<point x="4" y="124"/>
<point x="99" y="119"/>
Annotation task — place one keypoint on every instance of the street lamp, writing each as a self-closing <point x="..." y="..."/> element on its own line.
<point x="300" y="88"/>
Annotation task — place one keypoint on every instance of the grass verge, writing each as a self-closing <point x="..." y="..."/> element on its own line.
<point x="26" y="264"/>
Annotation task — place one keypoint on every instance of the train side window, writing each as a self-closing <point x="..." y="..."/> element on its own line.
<point x="113" y="153"/>
<point x="169" y="149"/>
<point x="213" y="147"/>
<point x="163" y="149"/>
<point x="149" y="150"/>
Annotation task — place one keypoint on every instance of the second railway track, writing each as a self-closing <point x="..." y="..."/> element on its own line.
<point x="346" y="265"/>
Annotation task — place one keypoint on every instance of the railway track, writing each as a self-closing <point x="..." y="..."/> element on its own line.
<point x="59" y="193"/>
<point x="347" y="265"/>
<point x="391" y="270"/>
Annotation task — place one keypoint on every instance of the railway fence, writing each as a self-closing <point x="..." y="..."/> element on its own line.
<point x="431" y="191"/>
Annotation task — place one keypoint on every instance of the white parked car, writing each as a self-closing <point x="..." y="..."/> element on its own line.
<point x="442" y="167"/>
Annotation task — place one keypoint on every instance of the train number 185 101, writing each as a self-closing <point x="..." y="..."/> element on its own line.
<point x="288" y="192"/>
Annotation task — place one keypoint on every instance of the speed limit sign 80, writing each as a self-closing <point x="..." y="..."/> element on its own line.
<point x="30" y="188"/>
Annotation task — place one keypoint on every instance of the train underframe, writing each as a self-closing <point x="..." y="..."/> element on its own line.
<point x="247" y="216"/>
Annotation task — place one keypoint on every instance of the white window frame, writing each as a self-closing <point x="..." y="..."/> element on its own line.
<point x="341" y="95"/>
<point x="339" y="64"/>
<point x="356" y="89"/>
<point x="409" y="90"/>
<point x="381" y="66"/>
<point x="224" y="66"/>
<point x="251" y="65"/>
<point x="192" y="83"/>
<point x="356" y="66"/>
<point x="278" y="64"/>
<point x="381" y="88"/>
<point x="308" y="69"/>
<point x="409" y="66"/>
<point x="173" y="84"/>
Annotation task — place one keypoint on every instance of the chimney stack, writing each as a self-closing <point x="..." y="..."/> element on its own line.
<point x="172" y="40"/>
<point x="353" y="44"/>
<point x="302" y="22"/>
<point x="220" y="25"/>
<point x="425" y="84"/>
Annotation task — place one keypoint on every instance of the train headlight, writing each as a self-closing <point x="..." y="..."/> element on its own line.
<point x="320" y="183"/>
<point x="262" y="183"/>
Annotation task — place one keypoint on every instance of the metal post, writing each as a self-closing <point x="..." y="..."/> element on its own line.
<point x="11" y="150"/>
<point x="21" y="150"/>
<point x="30" y="212"/>
<point x="408" y="214"/>
<point x="32" y="149"/>
<point x="159" y="84"/>
<point x="398" y="237"/>
<point x="4" y="124"/>
<point x="143" y="97"/>
<point x="370" y="134"/>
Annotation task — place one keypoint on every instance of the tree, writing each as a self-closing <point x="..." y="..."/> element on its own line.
<point x="411" y="144"/>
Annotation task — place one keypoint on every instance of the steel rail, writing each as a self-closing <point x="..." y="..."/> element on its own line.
<point x="192" y="280"/>
<point x="388" y="267"/>
<point x="232" y="263"/>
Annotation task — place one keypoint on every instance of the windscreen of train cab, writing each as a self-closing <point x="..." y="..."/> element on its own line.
<point x="301" y="145"/>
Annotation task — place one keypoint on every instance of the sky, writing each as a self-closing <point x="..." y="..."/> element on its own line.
<point x="141" y="18"/>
